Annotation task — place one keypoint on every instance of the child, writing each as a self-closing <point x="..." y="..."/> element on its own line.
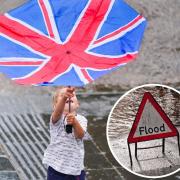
<point x="65" y="153"/>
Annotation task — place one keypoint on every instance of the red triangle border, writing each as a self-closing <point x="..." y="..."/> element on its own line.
<point x="132" y="139"/>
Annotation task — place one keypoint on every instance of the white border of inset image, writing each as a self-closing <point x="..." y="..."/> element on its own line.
<point x="137" y="174"/>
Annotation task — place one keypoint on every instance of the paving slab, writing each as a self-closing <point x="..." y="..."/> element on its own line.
<point x="7" y="175"/>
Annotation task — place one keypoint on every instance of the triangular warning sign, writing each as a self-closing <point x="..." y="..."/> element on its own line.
<point x="151" y="122"/>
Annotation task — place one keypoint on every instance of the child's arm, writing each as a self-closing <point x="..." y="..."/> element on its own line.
<point x="78" y="130"/>
<point x="61" y="101"/>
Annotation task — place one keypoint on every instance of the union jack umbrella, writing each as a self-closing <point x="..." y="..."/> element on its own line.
<point x="68" y="42"/>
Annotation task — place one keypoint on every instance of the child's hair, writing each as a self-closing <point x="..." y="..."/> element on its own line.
<point x="56" y="94"/>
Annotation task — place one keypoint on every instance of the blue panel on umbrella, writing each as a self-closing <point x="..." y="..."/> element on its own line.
<point x="30" y="13"/>
<point x="97" y="74"/>
<point x="15" y="50"/>
<point x="120" y="15"/>
<point x="128" y="43"/>
<point x="17" y="71"/>
<point x="66" y="13"/>
<point x="66" y="79"/>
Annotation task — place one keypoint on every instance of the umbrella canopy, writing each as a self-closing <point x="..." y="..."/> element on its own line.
<point x="50" y="42"/>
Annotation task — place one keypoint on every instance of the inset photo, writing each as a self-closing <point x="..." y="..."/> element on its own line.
<point x="143" y="131"/>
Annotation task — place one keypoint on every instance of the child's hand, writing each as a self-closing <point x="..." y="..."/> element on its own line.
<point x="78" y="130"/>
<point x="67" y="93"/>
<point x="71" y="120"/>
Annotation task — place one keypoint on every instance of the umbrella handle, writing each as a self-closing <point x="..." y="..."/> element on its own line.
<point x="69" y="102"/>
<point x="69" y="127"/>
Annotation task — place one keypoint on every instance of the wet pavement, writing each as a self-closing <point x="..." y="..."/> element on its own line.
<point x="24" y="130"/>
<point x="149" y="162"/>
<point x="24" y="136"/>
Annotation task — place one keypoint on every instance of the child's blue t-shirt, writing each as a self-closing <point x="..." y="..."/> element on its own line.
<point x="65" y="153"/>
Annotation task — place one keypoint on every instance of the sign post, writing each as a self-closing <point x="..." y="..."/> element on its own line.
<point x="151" y="123"/>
